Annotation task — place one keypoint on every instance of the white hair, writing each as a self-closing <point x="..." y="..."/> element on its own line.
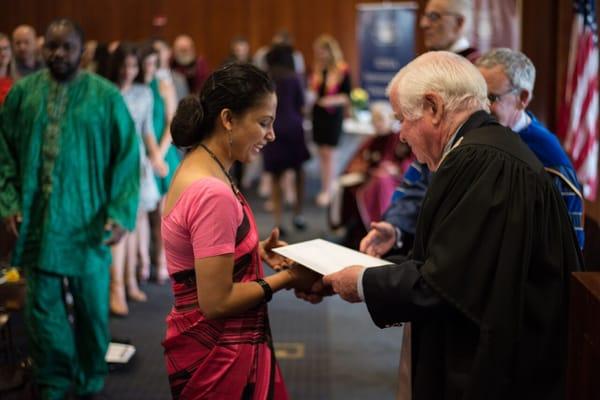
<point x="452" y="77"/>
<point x="517" y="67"/>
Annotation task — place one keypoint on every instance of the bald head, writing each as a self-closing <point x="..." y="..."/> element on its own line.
<point x="184" y="50"/>
<point x="24" y="44"/>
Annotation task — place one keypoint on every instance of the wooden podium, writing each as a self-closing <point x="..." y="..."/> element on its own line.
<point x="583" y="374"/>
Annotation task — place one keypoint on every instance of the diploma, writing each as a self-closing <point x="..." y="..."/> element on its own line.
<point x="325" y="257"/>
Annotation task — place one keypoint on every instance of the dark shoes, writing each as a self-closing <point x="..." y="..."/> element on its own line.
<point x="299" y="222"/>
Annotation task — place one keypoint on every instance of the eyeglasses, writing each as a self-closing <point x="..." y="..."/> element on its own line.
<point x="493" y="97"/>
<point x="434" y="16"/>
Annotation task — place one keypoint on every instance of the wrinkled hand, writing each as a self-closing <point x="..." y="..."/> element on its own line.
<point x="379" y="240"/>
<point x="344" y="282"/>
<point x="316" y="293"/>
<point x="274" y="260"/>
<point x="11" y="224"/>
<point x="116" y="233"/>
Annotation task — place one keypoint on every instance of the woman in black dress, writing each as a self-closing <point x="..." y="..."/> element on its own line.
<point x="289" y="151"/>
<point x="330" y="81"/>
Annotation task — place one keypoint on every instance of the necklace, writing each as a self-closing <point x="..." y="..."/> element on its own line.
<point x="214" y="157"/>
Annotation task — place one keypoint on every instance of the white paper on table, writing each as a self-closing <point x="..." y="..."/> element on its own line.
<point x="325" y="257"/>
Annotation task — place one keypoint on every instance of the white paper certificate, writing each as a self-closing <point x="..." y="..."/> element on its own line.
<point x="325" y="257"/>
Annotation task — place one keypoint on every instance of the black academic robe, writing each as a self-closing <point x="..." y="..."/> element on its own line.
<point x="486" y="287"/>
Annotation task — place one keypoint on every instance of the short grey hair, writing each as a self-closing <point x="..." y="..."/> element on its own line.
<point x="517" y="67"/>
<point x="449" y="75"/>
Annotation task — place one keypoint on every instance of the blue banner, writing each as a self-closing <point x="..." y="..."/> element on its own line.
<point x="386" y="40"/>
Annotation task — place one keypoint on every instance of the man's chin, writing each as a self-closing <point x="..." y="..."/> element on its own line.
<point x="62" y="76"/>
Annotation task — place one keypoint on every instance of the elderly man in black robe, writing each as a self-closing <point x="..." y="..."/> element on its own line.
<point x="486" y="285"/>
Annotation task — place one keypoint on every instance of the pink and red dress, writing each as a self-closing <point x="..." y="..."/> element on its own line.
<point x="229" y="358"/>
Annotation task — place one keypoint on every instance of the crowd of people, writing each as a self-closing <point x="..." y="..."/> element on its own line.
<point x="131" y="155"/>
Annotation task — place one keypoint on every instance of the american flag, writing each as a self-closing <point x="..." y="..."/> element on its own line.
<point x="578" y="124"/>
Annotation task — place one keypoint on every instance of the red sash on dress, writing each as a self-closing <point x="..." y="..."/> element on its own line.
<point x="229" y="358"/>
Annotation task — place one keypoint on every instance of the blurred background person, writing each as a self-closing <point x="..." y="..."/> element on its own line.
<point x="188" y="63"/>
<point x="7" y="67"/>
<point x="289" y="151"/>
<point x="330" y="84"/>
<point x="281" y="37"/>
<point x="125" y="71"/>
<point x="364" y="191"/>
<point x="25" y="51"/>
<point x="165" y="73"/>
<point x="165" y="103"/>
<point x="445" y="25"/>
<point x="239" y="51"/>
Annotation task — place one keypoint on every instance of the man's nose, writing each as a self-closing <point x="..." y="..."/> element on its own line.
<point x="59" y="52"/>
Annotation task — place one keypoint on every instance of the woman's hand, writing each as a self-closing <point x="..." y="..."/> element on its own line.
<point x="303" y="279"/>
<point x="274" y="260"/>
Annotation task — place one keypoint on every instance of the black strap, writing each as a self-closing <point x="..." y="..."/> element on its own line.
<point x="214" y="157"/>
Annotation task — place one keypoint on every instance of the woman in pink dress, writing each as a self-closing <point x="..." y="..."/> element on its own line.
<point x="218" y="343"/>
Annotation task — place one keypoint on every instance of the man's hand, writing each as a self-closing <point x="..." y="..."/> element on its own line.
<point x="116" y="233"/>
<point x="274" y="260"/>
<point x="344" y="282"/>
<point x="11" y="224"/>
<point x="379" y="240"/>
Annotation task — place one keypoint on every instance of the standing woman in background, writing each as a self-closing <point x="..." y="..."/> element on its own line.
<point x="289" y="151"/>
<point x="124" y="71"/>
<point x="330" y="82"/>
<point x="218" y="343"/>
<point x="165" y="103"/>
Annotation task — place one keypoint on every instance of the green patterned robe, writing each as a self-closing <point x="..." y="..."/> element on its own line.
<point x="69" y="162"/>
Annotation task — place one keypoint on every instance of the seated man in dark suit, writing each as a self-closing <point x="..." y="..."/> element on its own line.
<point x="486" y="285"/>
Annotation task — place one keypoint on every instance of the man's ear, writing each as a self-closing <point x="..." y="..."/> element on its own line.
<point x="524" y="99"/>
<point x="434" y="105"/>
<point x="226" y="117"/>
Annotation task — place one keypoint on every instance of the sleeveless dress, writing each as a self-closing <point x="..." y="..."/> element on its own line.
<point x="229" y="358"/>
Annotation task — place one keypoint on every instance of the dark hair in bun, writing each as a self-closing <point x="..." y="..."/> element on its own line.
<point x="237" y="87"/>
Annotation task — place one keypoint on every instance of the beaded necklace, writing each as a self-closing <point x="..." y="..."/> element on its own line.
<point x="214" y="157"/>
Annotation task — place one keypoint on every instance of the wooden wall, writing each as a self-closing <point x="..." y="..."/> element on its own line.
<point x="212" y="23"/>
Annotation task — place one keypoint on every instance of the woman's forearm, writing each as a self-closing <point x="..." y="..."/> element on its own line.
<point x="244" y="296"/>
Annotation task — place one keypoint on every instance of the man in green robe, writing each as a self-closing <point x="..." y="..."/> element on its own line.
<point x="69" y="182"/>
